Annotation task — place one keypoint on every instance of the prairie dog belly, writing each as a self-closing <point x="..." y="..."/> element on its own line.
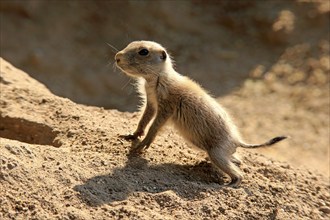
<point x="200" y="122"/>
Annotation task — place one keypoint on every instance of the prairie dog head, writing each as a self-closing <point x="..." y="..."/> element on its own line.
<point x="143" y="59"/>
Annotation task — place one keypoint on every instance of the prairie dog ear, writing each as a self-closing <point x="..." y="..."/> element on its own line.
<point x="163" y="55"/>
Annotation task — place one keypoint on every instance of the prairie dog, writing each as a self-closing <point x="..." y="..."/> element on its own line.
<point x="195" y="114"/>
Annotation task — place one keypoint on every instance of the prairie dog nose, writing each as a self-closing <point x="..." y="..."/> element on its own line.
<point x="118" y="56"/>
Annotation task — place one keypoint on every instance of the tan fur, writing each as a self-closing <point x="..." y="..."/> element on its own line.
<point x="171" y="96"/>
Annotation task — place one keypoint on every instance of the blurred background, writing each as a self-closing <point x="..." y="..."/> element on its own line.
<point x="265" y="61"/>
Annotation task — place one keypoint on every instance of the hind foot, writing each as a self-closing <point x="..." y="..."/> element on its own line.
<point x="236" y="160"/>
<point x="235" y="182"/>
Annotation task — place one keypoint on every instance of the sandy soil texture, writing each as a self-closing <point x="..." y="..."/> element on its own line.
<point x="266" y="61"/>
<point x="61" y="160"/>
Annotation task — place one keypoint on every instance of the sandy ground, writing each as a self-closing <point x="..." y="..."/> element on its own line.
<point x="267" y="62"/>
<point x="61" y="160"/>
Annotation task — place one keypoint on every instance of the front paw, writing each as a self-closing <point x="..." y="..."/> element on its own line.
<point x="129" y="137"/>
<point x="132" y="137"/>
<point x="139" y="147"/>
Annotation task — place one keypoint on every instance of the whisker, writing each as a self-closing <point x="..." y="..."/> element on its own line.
<point x="110" y="63"/>
<point x="114" y="67"/>
<point x="150" y="70"/>
<point x="129" y="80"/>
<point x="113" y="47"/>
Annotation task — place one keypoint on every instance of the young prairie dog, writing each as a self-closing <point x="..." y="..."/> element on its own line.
<point x="195" y="114"/>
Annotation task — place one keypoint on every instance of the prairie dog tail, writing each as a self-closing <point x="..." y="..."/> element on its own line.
<point x="268" y="143"/>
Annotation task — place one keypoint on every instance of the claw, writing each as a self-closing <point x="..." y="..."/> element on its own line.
<point x="129" y="137"/>
<point x="132" y="137"/>
<point x="138" y="148"/>
<point x="235" y="182"/>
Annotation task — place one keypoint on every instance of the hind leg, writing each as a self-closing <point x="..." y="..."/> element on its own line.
<point x="222" y="161"/>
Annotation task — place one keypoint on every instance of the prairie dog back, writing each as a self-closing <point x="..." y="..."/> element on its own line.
<point x="195" y="114"/>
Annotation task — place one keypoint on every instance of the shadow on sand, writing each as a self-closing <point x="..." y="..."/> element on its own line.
<point x="187" y="181"/>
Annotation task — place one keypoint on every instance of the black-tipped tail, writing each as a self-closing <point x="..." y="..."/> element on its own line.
<point x="268" y="143"/>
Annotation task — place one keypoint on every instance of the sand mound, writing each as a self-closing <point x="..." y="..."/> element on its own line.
<point x="61" y="160"/>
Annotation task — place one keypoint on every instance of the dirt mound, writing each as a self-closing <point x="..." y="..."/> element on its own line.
<point x="61" y="160"/>
<point x="267" y="61"/>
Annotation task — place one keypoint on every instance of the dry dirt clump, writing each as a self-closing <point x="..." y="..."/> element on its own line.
<point x="61" y="160"/>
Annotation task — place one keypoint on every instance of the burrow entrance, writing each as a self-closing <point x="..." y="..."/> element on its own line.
<point x="27" y="131"/>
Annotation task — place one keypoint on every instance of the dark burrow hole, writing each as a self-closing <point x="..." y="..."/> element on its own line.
<point x="27" y="131"/>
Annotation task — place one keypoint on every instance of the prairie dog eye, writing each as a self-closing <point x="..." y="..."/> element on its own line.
<point x="144" y="52"/>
